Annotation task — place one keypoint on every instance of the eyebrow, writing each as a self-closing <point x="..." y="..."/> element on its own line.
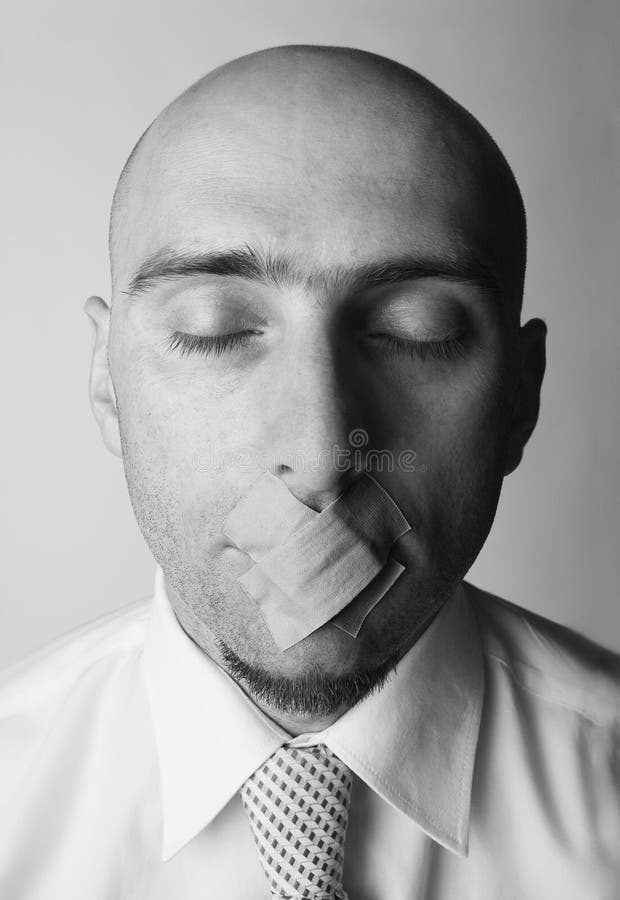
<point x="247" y="262"/>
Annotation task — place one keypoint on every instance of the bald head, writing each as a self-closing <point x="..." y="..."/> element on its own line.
<point x="281" y="139"/>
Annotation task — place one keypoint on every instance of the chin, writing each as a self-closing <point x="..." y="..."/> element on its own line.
<point x="312" y="680"/>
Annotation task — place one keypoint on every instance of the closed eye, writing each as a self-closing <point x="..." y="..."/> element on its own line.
<point x="445" y="349"/>
<point x="209" y="345"/>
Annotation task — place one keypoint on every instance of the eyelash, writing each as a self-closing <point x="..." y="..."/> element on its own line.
<point x="446" y="350"/>
<point x="217" y="345"/>
<point x="205" y="345"/>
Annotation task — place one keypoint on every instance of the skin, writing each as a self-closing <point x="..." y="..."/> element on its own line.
<point x="335" y="158"/>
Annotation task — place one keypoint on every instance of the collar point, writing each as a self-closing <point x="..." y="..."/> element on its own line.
<point x="457" y="845"/>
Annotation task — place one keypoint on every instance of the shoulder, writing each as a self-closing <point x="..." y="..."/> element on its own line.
<point x="54" y="669"/>
<point x="555" y="663"/>
<point x="71" y="706"/>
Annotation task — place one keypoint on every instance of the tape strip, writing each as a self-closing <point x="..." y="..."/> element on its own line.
<point x="310" y="566"/>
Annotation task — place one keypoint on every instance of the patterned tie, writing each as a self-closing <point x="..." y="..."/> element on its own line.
<point x="297" y="804"/>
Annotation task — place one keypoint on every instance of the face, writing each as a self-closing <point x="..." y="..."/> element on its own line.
<point x="380" y="328"/>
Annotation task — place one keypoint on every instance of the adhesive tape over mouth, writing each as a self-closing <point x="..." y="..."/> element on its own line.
<point x="309" y="567"/>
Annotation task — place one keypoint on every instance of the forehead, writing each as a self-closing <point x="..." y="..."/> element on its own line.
<point x="331" y="182"/>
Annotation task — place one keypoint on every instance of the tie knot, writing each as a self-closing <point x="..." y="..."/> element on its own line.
<point x="297" y="803"/>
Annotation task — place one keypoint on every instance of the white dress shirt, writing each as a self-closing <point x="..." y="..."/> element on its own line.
<point x="487" y="767"/>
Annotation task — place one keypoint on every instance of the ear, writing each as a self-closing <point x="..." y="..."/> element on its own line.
<point x="527" y="397"/>
<point x="102" y="397"/>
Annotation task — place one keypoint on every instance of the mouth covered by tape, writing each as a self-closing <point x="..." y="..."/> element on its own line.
<point x="311" y="568"/>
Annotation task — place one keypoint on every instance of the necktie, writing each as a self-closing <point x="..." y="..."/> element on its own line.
<point x="297" y="804"/>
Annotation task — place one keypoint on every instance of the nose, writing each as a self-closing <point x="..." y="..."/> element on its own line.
<point x="312" y="413"/>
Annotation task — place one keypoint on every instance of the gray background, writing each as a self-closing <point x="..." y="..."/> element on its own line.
<point x="81" y="80"/>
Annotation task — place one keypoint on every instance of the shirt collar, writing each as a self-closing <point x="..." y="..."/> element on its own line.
<point x="413" y="742"/>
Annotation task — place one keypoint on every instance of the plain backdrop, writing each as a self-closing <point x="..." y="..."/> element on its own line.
<point x="82" y="80"/>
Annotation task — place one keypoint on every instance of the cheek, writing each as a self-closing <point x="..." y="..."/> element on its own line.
<point x="469" y="465"/>
<point x="173" y="416"/>
<point x="466" y="453"/>
<point x="452" y="440"/>
<point x="177" y="442"/>
<point x="447" y="421"/>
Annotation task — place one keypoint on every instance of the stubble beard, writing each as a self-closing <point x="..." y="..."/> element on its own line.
<point x="314" y="694"/>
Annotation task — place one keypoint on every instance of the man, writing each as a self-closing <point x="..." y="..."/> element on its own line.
<point x="309" y="245"/>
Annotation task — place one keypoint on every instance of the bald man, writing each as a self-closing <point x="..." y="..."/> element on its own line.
<point x="314" y="370"/>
